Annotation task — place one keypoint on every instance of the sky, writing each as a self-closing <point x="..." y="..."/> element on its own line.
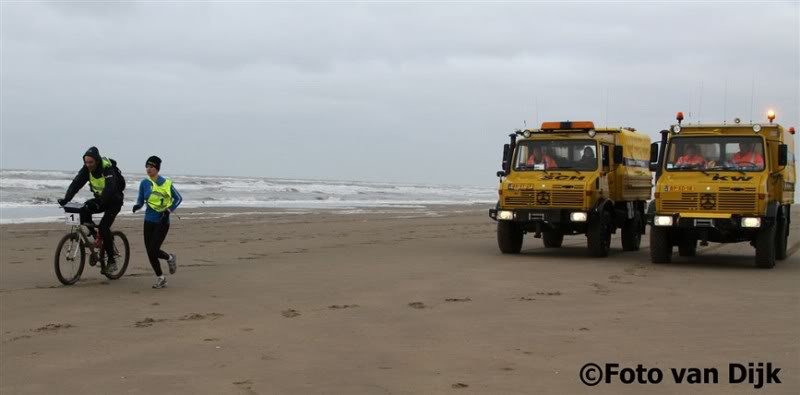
<point x="398" y="92"/>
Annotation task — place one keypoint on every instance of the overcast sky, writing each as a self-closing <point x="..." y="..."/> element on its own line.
<point x="394" y="92"/>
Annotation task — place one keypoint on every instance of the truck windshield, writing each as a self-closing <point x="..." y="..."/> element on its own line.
<point x="556" y="155"/>
<point x="736" y="153"/>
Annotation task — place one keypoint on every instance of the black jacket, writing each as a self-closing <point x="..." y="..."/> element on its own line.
<point x="111" y="195"/>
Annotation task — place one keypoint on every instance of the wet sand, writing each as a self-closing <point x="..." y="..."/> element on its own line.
<point x="380" y="303"/>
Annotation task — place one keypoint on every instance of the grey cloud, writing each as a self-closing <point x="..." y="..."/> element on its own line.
<point x="401" y="92"/>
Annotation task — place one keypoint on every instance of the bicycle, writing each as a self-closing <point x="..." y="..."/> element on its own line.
<point x="74" y="246"/>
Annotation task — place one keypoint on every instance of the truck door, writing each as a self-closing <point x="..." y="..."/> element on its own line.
<point x="606" y="180"/>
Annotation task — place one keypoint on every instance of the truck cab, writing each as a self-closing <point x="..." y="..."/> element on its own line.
<point x="570" y="178"/>
<point x="723" y="183"/>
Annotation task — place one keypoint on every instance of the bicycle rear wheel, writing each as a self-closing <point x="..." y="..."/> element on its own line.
<point x="122" y="254"/>
<point x="70" y="259"/>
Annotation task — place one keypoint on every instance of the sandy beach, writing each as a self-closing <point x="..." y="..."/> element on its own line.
<point x="384" y="302"/>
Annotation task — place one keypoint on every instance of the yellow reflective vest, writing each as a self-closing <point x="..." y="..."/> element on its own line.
<point x="97" y="184"/>
<point x="160" y="195"/>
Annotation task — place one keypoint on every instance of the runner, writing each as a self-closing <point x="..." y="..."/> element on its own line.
<point x="162" y="199"/>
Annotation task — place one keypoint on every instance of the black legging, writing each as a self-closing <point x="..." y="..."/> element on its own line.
<point x="154" y="235"/>
<point x="109" y="215"/>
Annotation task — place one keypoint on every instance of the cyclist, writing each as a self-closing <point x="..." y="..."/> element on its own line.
<point x="107" y="184"/>
<point x="162" y="199"/>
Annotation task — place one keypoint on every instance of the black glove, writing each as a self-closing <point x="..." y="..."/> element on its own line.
<point x="92" y="206"/>
<point x="165" y="215"/>
<point x="62" y="202"/>
<point x="137" y="207"/>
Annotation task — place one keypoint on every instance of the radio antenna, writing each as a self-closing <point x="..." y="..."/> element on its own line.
<point x="752" y="95"/>
<point x="700" y="104"/>
<point x="725" y="104"/>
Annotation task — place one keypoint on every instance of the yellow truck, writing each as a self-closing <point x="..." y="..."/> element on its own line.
<point x="570" y="178"/>
<point x="723" y="183"/>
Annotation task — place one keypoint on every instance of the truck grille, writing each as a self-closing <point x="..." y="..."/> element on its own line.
<point x="545" y="198"/>
<point x="737" y="202"/>
<point x="725" y="201"/>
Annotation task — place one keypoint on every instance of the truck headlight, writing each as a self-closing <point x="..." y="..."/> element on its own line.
<point x="505" y="215"/>
<point x="662" y="220"/>
<point x="751" y="222"/>
<point x="577" y="216"/>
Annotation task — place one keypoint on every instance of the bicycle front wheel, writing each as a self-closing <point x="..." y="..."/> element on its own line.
<point x="122" y="254"/>
<point x="70" y="259"/>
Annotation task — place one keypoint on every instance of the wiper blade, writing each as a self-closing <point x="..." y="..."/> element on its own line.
<point x="568" y="168"/>
<point x="728" y="168"/>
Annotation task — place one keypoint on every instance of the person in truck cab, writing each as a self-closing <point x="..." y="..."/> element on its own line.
<point x="748" y="157"/>
<point x="588" y="160"/>
<point x="691" y="157"/>
<point x="537" y="156"/>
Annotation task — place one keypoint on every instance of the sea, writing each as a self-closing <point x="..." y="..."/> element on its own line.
<point x="31" y="195"/>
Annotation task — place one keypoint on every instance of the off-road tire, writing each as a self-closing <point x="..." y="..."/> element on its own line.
<point x="632" y="233"/>
<point x="660" y="245"/>
<point x="765" y="247"/>
<point x="509" y="237"/>
<point x="598" y="235"/>
<point x="552" y="239"/>
<point x="781" y="237"/>
<point x="687" y="246"/>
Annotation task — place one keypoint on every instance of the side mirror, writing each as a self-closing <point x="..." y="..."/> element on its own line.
<point x="653" y="166"/>
<point x="506" y="159"/>
<point x="654" y="153"/>
<point x="618" y="155"/>
<point x="783" y="155"/>
<point x="501" y="173"/>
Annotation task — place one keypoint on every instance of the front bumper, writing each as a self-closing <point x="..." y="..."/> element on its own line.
<point x="733" y="223"/>
<point x="543" y="219"/>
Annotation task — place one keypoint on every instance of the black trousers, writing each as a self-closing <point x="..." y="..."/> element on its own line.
<point x="154" y="235"/>
<point x="109" y="215"/>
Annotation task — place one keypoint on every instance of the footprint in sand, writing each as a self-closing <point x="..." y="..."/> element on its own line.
<point x="290" y="313"/>
<point x="460" y="385"/>
<point x="417" y="305"/>
<point x="467" y="299"/>
<point x="342" y="306"/>
<point x="245" y="385"/>
<point x="211" y="339"/>
<point x="147" y="322"/>
<point x="526" y="299"/>
<point x="198" y="316"/>
<point x="600" y="289"/>
<point x="52" y="327"/>
<point x="549" y="293"/>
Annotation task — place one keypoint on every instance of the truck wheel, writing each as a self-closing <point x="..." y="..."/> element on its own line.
<point x="552" y="239"/>
<point x="765" y="248"/>
<point x="598" y="234"/>
<point x="687" y="246"/>
<point x="632" y="233"/>
<point x="781" y="238"/>
<point x="660" y="245"/>
<point x="509" y="237"/>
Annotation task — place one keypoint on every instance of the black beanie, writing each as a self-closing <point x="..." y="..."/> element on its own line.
<point x="154" y="161"/>
<point x="93" y="152"/>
